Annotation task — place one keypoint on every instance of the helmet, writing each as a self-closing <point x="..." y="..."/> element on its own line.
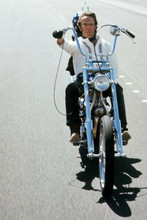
<point x="75" y="23"/>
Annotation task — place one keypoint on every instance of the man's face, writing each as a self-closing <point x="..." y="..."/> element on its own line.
<point x="88" y="27"/>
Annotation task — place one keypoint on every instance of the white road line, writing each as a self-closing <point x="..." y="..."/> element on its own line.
<point x="130" y="7"/>
<point x="136" y="91"/>
<point x="144" y="101"/>
<point x="129" y="83"/>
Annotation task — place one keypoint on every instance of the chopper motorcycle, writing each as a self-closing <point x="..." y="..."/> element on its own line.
<point x="100" y="130"/>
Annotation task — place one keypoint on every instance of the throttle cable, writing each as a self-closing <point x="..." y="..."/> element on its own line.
<point x="55" y="82"/>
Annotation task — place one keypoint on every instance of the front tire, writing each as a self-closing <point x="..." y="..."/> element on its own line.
<point x="106" y="159"/>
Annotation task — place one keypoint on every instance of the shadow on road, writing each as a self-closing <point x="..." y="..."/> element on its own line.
<point x="123" y="192"/>
<point x="125" y="172"/>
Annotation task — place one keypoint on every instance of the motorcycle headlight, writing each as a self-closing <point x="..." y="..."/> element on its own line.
<point x="101" y="82"/>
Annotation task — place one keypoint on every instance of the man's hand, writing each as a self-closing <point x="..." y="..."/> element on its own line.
<point x="57" y="34"/>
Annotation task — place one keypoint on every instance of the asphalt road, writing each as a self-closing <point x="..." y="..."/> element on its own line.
<point x="40" y="173"/>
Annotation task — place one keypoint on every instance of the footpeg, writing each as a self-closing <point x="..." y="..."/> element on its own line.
<point x="92" y="155"/>
<point x="76" y="143"/>
<point x="120" y="154"/>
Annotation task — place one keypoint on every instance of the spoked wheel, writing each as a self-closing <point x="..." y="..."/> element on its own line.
<point x="106" y="159"/>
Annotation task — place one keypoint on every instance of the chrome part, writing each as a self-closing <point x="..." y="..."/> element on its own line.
<point x="99" y="111"/>
<point x="101" y="82"/>
<point x="92" y="155"/>
<point x="83" y="142"/>
<point x="102" y="168"/>
<point x="81" y="103"/>
<point x="102" y="158"/>
<point x="114" y="30"/>
<point x="120" y="155"/>
<point x="105" y="25"/>
<point x="82" y="132"/>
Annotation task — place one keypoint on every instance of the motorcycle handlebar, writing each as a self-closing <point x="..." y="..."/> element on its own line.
<point x="130" y="34"/>
<point x="115" y="32"/>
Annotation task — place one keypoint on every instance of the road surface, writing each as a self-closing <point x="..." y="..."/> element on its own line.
<point x="40" y="172"/>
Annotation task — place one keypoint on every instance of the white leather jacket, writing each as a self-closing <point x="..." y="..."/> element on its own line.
<point x="101" y="46"/>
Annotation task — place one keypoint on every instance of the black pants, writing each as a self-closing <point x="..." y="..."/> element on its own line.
<point x="75" y="89"/>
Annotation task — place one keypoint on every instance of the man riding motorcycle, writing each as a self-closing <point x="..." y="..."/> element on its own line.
<point x="92" y="43"/>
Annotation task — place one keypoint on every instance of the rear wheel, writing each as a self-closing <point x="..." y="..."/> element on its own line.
<point x="106" y="159"/>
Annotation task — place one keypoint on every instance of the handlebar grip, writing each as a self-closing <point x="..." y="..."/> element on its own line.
<point x="57" y="34"/>
<point x="130" y="34"/>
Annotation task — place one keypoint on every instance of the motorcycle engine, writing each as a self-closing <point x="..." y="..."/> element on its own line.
<point x="99" y="111"/>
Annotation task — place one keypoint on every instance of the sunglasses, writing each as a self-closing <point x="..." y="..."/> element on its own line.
<point x="87" y="24"/>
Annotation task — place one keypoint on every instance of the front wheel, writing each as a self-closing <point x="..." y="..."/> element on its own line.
<point x="106" y="159"/>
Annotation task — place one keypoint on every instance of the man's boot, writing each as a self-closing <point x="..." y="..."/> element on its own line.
<point x="75" y="130"/>
<point x="125" y="135"/>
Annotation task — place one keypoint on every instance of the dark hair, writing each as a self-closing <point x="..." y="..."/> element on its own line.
<point x="88" y="14"/>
